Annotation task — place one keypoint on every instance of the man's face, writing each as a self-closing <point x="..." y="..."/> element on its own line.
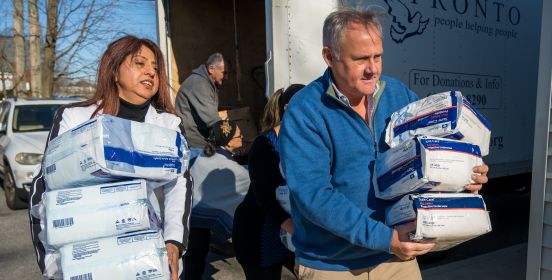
<point x="217" y="73"/>
<point x="358" y="68"/>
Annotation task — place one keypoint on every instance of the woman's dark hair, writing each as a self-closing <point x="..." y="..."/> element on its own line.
<point x="107" y="95"/>
<point x="274" y="108"/>
<point x="222" y="132"/>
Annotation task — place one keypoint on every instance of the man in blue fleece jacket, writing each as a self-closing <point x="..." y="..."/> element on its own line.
<point x="330" y="136"/>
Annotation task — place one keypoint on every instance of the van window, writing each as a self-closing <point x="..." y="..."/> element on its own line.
<point x="33" y="117"/>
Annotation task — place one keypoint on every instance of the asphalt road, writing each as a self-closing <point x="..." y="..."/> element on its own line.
<point x="509" y="212"/>
<point x="17" y="258"/>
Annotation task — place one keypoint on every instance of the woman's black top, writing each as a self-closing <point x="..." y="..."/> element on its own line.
<point x="133" y="112"/>
<point x="256" y="230"/>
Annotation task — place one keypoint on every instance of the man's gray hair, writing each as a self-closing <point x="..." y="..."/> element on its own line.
<point x="339" y="21"/>
<point x="214" y="60"/>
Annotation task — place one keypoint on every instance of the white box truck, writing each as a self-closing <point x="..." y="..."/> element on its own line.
<point x="487" y="49"/>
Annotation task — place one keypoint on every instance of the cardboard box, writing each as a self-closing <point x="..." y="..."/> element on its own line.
<point x="244" y="119"/>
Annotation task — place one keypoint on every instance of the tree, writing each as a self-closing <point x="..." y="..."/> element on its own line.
<point x="6" y="67"/>
<point x="35" y="38"/>
<point x="50" y="48"/>
<point x="71" y="26"/>
<point x="18" y="47"/>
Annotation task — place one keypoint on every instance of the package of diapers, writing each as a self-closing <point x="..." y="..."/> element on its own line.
<point x="94" y="197"/>
<point x="66" y="224"/>
<point x="423" y="164"/>
<point x="448" y="218"/>
<point x="134" y="256"/>
<point x="108" y="148"/>
<point x="446" y="114"/>
<point x="282" y="196"/>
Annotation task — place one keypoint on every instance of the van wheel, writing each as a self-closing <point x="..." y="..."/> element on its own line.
<point x="12" y="200"/>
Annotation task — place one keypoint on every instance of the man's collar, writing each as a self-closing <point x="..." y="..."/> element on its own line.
<point x="333" y="90"/>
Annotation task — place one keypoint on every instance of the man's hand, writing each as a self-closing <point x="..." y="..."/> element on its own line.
<point x="172" y="253"/>
<point x="403" y="247"/>
<point x="479" y="177"/>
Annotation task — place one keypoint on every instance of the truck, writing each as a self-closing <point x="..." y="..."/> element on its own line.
<point x="486" y="49"/>
<point x="498" y="53"/>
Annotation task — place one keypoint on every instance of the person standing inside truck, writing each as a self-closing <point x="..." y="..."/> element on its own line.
<point x="131" y="84"/>
<point x="329" y="139"/>
<point x="197" y="101"/>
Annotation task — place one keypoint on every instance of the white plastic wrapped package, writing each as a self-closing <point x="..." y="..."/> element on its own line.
<point x="448" y="218"/>
<point x="425" y="164"/>
<point x="97" y="196"/>
<point x="282" y="196"/>
<point x="78" y="225"/>
<point x="285" y="237"/>
<point x="446" y="114"/>
<point x="108" y="148"/>
<point x="133" y="256"/>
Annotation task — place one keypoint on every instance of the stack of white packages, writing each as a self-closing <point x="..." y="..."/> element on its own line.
<point x="88" y="222"/>
<point x="425" y="157"/>
<point x="450" y="219"/>
<point x="139" y="255"/>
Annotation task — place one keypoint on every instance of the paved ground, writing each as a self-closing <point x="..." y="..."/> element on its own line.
<point x="17" y="258"/>
<point x="504" y="264"/>
<point x="500" y="254"/>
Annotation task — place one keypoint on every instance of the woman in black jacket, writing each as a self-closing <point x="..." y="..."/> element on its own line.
<point x="258" y="219"/>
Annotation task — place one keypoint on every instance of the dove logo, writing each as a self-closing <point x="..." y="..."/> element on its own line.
<point x="405" y="24"/>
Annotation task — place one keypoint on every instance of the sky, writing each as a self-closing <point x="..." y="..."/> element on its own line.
<point x="136" y="17"/>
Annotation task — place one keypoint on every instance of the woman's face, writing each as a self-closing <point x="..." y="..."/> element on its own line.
<point x="236" y="141"/>
<point x="137" y="79"/>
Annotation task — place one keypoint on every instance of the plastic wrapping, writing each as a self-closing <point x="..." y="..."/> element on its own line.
<point x="446" y="114"/>
<point x="425" y="164"/>
<point x="139" y="255"/>
<point x="282" y="196"/>
<point x="108" y="148"/>
<point x="449" y="219"/>
<point x="78" y="225"/>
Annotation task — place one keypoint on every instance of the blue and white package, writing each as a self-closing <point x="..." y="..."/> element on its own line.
<point x="424" y="164"/>
<point x="79" y="224"/>
<point x="108" y="148"/>
<point x="133" y="256"/>
<point x="282" y="196"/>
<point x="446" y="114"/>
<point x="449" y="218"/>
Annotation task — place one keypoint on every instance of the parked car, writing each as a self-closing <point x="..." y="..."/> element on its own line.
<point x="24" y="127"/>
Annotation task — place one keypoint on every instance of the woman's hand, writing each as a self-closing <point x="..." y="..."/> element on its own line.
<point x="287" y="225"/>
<point x="479" y="176"/>
<point x="172" y="253"/>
